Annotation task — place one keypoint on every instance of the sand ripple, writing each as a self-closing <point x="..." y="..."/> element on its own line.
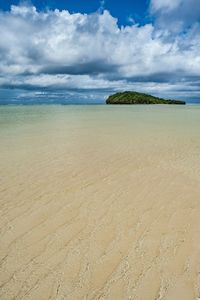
<point x="97" y="207"/>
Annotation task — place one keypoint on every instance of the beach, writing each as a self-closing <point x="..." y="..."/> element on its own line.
<point x="100" y="202"/>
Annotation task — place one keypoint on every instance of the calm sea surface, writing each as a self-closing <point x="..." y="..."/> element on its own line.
<point x="33" y="114"/>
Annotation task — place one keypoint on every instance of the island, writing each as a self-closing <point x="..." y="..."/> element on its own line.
<point x="139" y="98"/>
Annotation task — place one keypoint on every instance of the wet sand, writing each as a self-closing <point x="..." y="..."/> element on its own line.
<point x="100" y="202"/>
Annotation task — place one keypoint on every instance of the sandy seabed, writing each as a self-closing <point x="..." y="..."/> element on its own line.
<point x="100" y="202"/>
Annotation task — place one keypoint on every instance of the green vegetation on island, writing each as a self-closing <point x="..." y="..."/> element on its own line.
<point x="138" y="98"/>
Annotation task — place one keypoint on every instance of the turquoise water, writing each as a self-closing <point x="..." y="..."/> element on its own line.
<point x="185" y="117"/>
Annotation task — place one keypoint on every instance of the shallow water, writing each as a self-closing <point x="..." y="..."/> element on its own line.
<point x="100" y="202"/>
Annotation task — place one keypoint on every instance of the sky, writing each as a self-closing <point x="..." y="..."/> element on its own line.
<point x="81" y="51"/>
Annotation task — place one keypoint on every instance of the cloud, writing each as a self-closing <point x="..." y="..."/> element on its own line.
<point x="165" y="5"/>
<point x="57" y="51"/>
<point x="176" y="15"/>
<point x="102" y="5"/>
